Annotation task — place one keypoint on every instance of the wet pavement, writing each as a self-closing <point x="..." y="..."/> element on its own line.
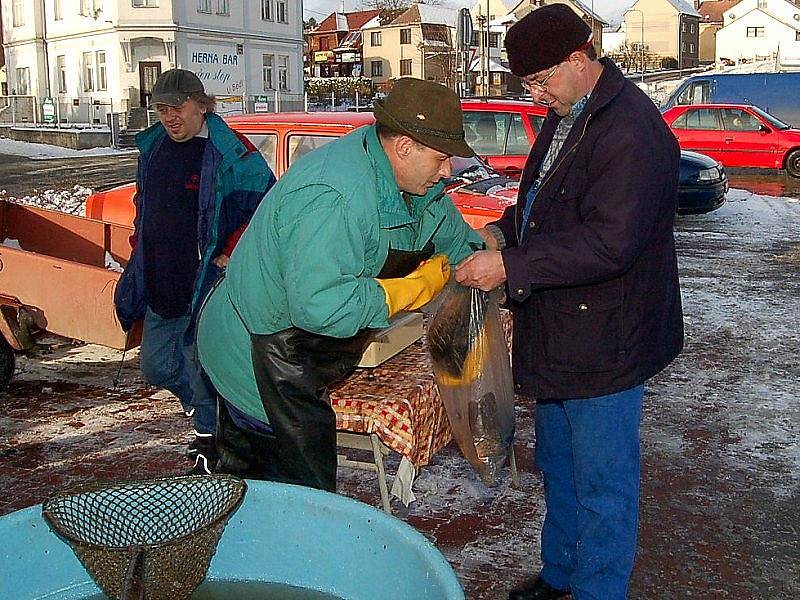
<point x="720" y="432"/>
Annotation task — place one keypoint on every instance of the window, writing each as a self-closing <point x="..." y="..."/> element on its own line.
<point x="498" y="133"/>
<point x="536" y="123"/>
<point x="691" y="48"/>
<point x="204" y="6"/>
<point x="18" y="13"/>
<point x="797" y="36"/>
<point x="698" y="118"/>
<point x="376" y="68"/>
<point x="324" y="43"/>
<point x="61" y="74"/>
<point x="696" y="93"/>
<point x="405" y="67"/>
<point x="375" y="38"/>
<point x="266" y="10"/>
<point x="267" y="145"/>
<point x="86" y="8"/>
<point x="300" y="145"/>
<point x="683" y="27"/>
<point x="283" y="72"/>
<point x="102" y="81"/>
<point x="755" y="32"/>
<point x="517" y="142"/>
<point x="23" y="79"/>
<point x="735" y="119"/>
<point x="145" y="3"/>
<point x="480" y="129"/>
<point x="58" y="13"/>
<point x="762" y="3"/>
<point x="691" y="27"/>
<point x="280" y="11"/>
<point x="88" y="72"/>
<point x="266" y="71"/>
<point x="405" y="36"/>
<point x="223" y="8"/>
<point x="494" y="40"/>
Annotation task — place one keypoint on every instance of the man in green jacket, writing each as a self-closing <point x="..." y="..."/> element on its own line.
<point x="341" y="243"/>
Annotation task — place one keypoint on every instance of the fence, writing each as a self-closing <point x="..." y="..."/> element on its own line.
<point x="18" y="110"/>
<point x="62" y="112"/>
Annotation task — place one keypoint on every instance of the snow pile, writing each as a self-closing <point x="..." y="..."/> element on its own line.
<point x="70" y="201"/>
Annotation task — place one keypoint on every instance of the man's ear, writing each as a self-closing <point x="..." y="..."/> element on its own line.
<point x="404" y="145"/>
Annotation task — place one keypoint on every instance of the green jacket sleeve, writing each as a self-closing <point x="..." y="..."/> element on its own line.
<point x="454" y="236"/>
<point x="327" y="288"/>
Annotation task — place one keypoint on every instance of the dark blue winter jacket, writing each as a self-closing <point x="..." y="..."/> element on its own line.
<point x="234" y="178"/>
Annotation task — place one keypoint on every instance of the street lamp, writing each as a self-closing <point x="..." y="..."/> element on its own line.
<point x="641" y="45"/>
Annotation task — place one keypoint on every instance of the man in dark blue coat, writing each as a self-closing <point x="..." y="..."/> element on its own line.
<point x="197" y="185"/>
<point x="588" y="258"/>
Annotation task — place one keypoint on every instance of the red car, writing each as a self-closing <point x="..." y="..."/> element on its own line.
<point x="737" y="135"/>
<point x="478" y="192"/>
<point x="502" y="131"/>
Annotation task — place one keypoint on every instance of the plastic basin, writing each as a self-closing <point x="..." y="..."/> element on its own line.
<point x="282" y="533"/>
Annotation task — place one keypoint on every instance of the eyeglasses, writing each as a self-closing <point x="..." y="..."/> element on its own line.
<point x="539" y="86"/>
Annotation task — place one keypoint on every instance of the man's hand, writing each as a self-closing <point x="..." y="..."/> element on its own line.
<point x="221" y="261"/>
<point x="491" y="242"/>
<point x="483" y="270"/>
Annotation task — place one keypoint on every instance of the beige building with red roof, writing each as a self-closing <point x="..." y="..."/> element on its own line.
<point x="711" y="21"/>
<point x="334" y="47"/>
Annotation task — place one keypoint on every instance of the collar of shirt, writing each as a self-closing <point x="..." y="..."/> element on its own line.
<point x="203" y="133"/>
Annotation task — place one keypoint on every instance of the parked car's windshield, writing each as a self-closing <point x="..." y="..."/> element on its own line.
<point x="774" y="121"/>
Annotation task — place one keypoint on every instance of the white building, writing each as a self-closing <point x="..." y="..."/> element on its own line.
<point x="93" y="56"/>
<point x="759" y="29"/>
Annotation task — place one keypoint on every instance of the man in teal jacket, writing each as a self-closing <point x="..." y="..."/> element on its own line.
<point x="333" y="251"/>
<point x="198" y="183"/>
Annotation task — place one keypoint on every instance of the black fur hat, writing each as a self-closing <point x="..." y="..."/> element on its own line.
<point x="544" y="38"/>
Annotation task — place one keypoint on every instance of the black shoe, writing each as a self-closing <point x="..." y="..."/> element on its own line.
<point x="202" y="466"/>
<point x="203" y="449"/>
<point x="201" y="444"/>
<point x="538" y="590"/>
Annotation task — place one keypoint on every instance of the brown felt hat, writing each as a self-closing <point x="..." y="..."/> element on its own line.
<point x="545" y="38"/>
<point x="426" y="112"/>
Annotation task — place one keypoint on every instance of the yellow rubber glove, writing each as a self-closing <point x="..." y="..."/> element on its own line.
<point x="418" y="287"/>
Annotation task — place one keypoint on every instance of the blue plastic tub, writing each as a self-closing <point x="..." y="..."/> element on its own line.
<point x="282" y="533"/>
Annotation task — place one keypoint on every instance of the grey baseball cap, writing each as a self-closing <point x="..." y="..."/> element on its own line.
<point x="173" y="87"/>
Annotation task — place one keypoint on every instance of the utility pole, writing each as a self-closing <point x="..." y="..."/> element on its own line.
<point x="641" y="43"/>
<point x="482" y="50"/>
<point x="44" y="50"/>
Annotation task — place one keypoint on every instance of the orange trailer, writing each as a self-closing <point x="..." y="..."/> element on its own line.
<point x="53" y="278"/>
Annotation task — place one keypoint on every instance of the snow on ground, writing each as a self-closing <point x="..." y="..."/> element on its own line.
<point x="45" y="151"/>
<point x="720" y="438"/>
<point x="70" y="201"/>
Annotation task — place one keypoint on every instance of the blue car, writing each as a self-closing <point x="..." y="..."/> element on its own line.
<point x="702" y="184"/>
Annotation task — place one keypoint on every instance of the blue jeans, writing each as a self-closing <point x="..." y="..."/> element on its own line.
<point x="588" y="452"/>
<point x="169" y="361"/>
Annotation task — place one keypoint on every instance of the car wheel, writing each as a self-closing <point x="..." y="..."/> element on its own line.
<point x="7" y="360"/>
<point x="793" y="163"/>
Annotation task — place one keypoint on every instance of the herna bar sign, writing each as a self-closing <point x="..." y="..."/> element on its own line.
<point x="220" y="68"/>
